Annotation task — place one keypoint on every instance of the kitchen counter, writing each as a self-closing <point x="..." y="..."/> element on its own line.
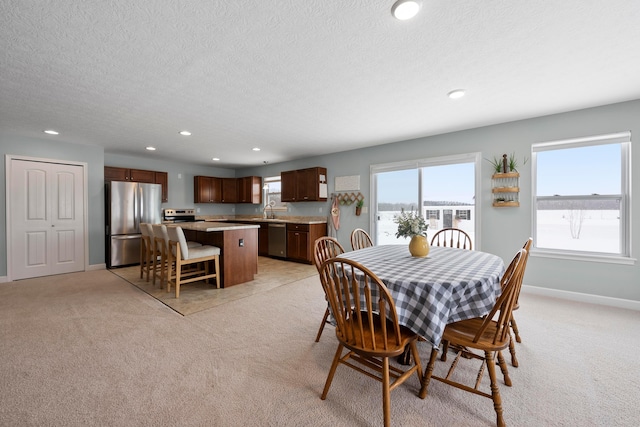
<point x="277" y="219"/>
<point x="238" y="245"/>
<point x="209" y="226"/>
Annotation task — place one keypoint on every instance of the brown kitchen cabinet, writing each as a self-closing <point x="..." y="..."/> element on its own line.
<point x="229" y="190"/>
<point x="300" y="240"/>
<point x="249" y="190"/>
<point x="304" y="185"/>
<point x="207" y="189"/>
<point x="263" y="239"/>
<point x="162" y="178"/>
<point x="112" y="173"/>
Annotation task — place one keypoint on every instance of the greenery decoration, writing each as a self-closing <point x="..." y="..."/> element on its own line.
<point x="410" y="224"/>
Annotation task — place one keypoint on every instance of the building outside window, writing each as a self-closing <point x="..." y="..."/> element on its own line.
<point x="581" y="196"/>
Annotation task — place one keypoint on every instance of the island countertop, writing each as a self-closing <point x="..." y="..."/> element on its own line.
<point x="208" y="226"/>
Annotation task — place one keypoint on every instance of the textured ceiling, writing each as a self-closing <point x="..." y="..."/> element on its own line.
<point x="301" y="78"/>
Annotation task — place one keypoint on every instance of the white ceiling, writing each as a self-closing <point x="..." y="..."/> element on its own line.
<point x="301" y="78"/>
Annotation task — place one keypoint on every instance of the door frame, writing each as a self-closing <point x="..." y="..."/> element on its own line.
<point x="85" y="208"/>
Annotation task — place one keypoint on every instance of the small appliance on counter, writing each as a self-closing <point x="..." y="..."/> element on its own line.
<point x="129" y="204"/>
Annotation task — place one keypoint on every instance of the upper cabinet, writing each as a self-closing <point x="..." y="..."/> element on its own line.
<point x="304" y="185"/>
<point x="139" y="175"/>
<point x="249" y="190"/>
<point x="210" y="189"/>
<point x="207" y="189"/>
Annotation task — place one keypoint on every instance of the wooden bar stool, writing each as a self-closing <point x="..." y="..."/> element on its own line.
<point x="181" y="255"/>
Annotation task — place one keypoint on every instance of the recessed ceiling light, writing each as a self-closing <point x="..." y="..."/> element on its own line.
<point x="456" y="93"/>
<point x="256" y="149"/>
<point x="215" y="159"/>
<point x="51" y="132"/>
<point x="151" y="148"/>
<point x="185" y="133"/>
<point x="405" y="9"/>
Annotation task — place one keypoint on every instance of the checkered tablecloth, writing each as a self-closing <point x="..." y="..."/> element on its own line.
<point x="447" y="286"/>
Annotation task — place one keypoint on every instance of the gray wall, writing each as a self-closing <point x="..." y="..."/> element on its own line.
<point x="502" y="230"/>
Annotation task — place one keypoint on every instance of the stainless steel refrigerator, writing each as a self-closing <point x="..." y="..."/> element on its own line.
<point x="129" y="204"/>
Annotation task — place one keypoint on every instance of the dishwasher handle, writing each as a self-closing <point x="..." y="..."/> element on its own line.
<point x="277" y="225"/>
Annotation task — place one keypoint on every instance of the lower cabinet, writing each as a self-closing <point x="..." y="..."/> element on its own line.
<point x="300" y="240"/>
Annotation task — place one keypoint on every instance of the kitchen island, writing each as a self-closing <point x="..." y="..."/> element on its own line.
<point x="238" y="245"/>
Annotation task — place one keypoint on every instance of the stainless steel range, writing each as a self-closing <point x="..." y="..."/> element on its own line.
<point x="179" y="215"/>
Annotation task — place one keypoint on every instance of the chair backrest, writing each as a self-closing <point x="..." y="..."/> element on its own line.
<point x="510" y="283"/>
<point x="160" y="232"/>
<point x="145" y="229"/>
<point x="324" y="248"/>
<point x="453" y="238"/>
<point x="177" y="235"/>
<point x="360" y="239"/>
<point x="363" y="309"/>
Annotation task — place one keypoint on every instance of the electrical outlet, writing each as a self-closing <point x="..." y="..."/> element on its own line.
<point x="365" y="210"/>
<point x="320" y="208"/>
<point x="241" y="243"/>
<point x="197" y="210"/>
<point x="179" y="176"/>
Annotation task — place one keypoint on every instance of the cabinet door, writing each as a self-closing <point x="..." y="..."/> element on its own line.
<point x="115" y="174"/>
<point x="298" y="242"/>
<point x="206" y="189"/>
<point x="289" y="186"/>
<point x="250" y="190"/>
<point x="307" y="180"/>
<point x="138" y="175"/>
<point x="229" y="190"/>
<point x="162" y="178"/>
<point x="263" y="239"/>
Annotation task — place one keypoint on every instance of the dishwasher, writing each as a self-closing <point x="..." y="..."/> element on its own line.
<point x="278" y="240"/>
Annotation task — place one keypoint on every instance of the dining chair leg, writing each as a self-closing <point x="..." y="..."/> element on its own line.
<point x="495" y="391"/>
<point x="332" y="371"/>
<point x="427" y="374"/>
<point x="445" y="349"/>
<point x="512" y="350"/>
<point x="386" y="394"/>
<point x="503" y="368"/>
<point x="514" y="326"/>
<point x="324" y="320"/>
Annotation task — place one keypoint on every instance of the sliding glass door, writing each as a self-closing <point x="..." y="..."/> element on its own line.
<point x="443" y="189"/>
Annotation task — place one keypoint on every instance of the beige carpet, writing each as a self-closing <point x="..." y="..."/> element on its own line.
<point x="90" y="349"/>
<point x="198" y="296"/>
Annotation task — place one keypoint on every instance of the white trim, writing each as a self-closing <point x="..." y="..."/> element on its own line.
<point x="611" y="138"/>
<point x="85" y="209"/>
<point x="585" y="256"/>
<point x="96" y="267"/>
<point x="580" y="297"/>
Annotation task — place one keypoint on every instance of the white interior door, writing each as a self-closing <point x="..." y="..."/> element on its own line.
<point x="47" y="221"/>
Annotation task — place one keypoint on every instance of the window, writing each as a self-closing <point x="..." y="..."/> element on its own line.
<point x="273" y="193"/>
<point x="581" y="197"/>
<point x="442" y="189"/>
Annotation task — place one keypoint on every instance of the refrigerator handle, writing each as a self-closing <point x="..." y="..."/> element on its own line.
<point x="136" y="208"/>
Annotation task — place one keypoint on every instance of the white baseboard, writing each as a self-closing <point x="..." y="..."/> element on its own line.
<point x="4" y="279"/>
<point x="95" y="267"/>
<point x="580" y="297"/>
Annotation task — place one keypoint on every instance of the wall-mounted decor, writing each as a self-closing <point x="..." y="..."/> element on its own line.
<point x="347" y="183"/>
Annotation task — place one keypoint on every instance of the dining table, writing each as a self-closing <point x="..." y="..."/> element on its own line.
<point x="448" y="285"/>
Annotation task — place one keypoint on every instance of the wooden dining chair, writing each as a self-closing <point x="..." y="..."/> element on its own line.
<point x="367" y="326"/>
<point x="181" y="255"/>
<point x="512" y="323"/>
<point x="360" y="239"/>
<point x="486" y="335"/>
<point x="324" y="248"/>
<point x="453" y="238"/>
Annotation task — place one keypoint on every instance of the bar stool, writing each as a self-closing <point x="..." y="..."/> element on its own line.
<point x="161" y="241"/>
<point x="180" y="255"/>
<point x="146" y="250"/>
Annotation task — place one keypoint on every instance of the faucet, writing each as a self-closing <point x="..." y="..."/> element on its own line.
<point x="264" y="212"/>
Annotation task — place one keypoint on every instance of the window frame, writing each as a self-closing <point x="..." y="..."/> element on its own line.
<point x="471" y="157"/>
<point x="625" y="255"/>
<point x="265" y="200"/>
